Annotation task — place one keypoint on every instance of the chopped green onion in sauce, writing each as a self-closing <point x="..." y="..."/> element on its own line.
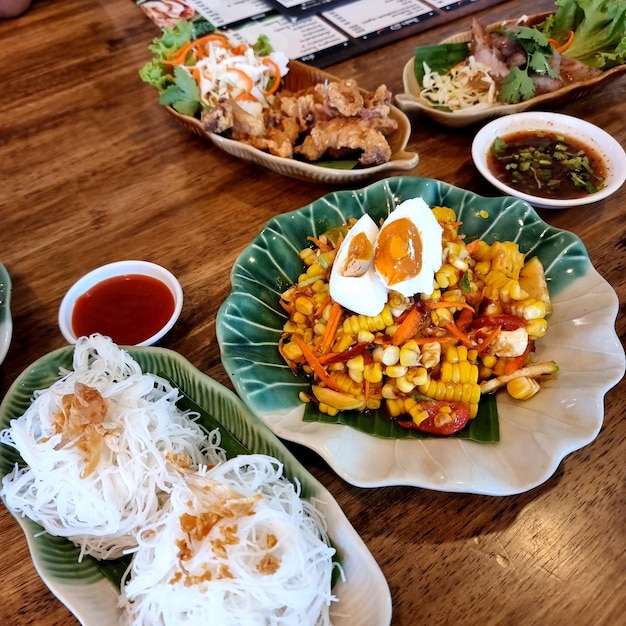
<point x="548" y="165"/>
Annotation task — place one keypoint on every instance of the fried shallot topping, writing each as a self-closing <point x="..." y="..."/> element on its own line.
<point x="81" y="423"/>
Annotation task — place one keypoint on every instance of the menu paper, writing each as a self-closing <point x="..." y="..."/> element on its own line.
<point x="374" y="16"/>
<point x="318" y="32"/>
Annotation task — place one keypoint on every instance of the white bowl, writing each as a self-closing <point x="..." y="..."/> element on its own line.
<point x="603" y="144"/>
<point x="120" y="268"/>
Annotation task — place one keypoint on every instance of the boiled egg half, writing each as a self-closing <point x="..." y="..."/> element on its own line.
<point x="402" y="256"/>
<point x="353" y="280"/>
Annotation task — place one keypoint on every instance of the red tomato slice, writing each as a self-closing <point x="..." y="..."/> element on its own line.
<point x="460" y="413"/>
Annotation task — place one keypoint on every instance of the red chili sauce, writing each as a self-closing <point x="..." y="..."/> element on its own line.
<point x="547" y="165"/>
<point x="129" y="309"/>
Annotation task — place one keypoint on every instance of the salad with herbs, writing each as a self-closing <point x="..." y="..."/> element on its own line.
<point x="193" y="69"/>
<point x="579" y="41"/>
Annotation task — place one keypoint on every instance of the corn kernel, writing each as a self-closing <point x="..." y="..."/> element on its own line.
<point x="390" y="391"/>
<point x="537" y="328"/>
<point x="390" y="355"/>
<point x="431" y="354"/>
<point x="418" y="375"/>
<point x="409" y="354"/>
<point x="404" y="384"/>
<point x="373" y="372"/>
<point x="395" y="371"/>
<point x="365" y="336"/>
<point x="292" y="351"/>
<point x="522" y="388"/>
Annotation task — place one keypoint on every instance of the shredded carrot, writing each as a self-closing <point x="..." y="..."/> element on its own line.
<point x="366" y="390"/>
<point x="322" y="305"/>
<point x="472" y="246"/>
<point x="517" y="362"/>
<point x="319" y="244"/>
<point x="275" y="71"/>
<point x="564" y="46"/>
<point x="288" y="306"/>
<point x="488" y="340"/>
<point x="408" y="326"/>
<point x="447" y="304"/>
<point x="246" y="80"/>
<point x="180" y="55"/>
<point x="466" y="316"/>
<point x="328" y="338"/>
<point x="456" y="332"/>
<point x="317" y="367"/>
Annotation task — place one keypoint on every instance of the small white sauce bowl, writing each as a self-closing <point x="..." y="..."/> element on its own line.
<point x="112" y="270"/>
<point x="604" y="145"/>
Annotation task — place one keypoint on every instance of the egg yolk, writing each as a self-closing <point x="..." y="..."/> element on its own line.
<point x="398" y="251"/>
<point x="359" y="255"/>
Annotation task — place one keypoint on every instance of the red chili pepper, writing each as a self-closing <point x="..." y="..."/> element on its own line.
<point x="460" y="413"/>
<point x="504" y="320"/>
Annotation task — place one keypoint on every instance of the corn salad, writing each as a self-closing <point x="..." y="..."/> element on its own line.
<point x="425" y="360"/>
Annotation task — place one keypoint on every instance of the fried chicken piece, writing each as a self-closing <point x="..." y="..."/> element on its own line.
<point x="279" y="139"/>
<point x="351" y="133"/>
<point x="343" y="98"/>
<point x="229" y="115"/>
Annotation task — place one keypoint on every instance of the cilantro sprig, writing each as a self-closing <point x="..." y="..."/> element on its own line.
<point x="519" y="85"/>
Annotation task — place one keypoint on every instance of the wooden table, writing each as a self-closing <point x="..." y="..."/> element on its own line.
<point x="93" y="171"/>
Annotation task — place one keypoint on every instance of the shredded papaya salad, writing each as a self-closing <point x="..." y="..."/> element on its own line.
<point x="193" y="73"/>
<point x="423" y="360"/>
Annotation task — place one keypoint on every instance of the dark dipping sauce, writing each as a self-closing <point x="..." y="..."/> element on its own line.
<point x="547" y="165"/>
<point x="129" y="309"/>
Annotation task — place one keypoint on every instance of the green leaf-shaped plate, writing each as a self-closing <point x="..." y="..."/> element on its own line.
<point x="364" y="597"/>
<point x="534" y="435"/>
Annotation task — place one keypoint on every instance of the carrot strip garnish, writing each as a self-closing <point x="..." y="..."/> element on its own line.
<point x="466" y="316"/>
<point x="275" y="72"/>
<point x="564" y="46"/>
<point x="325" y="247"/>
<point x="568" y="43"/>
<point x="472" y="246"/>
<point x="330" y="331"/>
<point x="180" y="56"/>
<point x="316" y="366"/>
<point x="488" y="340"/>
<point x="408" y="326"/>
<point x="517" y="362"/>
<point x="456" y="332"/>
<point x="447" y="304"/>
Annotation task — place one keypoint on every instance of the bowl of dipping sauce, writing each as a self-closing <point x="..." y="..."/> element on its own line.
<point x="134" y="302"/>
<point x="549" y="160"/>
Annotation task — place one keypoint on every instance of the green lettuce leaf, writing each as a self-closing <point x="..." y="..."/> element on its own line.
<point x="439" y="58"/>
<point x="599" y="28"/>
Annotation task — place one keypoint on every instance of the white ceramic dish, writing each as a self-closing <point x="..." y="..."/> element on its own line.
<point x="534" y="435"/>
<point x="411" y="99"/>
<point x="302" y="76"/>
<point x="603" y="144"/>
<point x="111" y="270"/>
<point x="6" y="321"/>
<point x="88" y="588"/>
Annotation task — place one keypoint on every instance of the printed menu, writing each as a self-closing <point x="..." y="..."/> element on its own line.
<point x="318" y="32"/>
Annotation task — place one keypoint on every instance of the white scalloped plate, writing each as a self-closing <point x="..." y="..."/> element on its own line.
<point x="534" y="435"/>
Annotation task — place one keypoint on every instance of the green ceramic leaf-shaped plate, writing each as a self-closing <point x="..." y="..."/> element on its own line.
<point x="364" y="597"/>
<point x="6" y="322"/>
<point x="534" y="435"/>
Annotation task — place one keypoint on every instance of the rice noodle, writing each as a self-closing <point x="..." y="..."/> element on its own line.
<point x="145" y="440"/>
<point x="263" y="559"/>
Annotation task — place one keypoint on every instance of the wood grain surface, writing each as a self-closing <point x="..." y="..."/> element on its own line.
<point x="94" y="171"/>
